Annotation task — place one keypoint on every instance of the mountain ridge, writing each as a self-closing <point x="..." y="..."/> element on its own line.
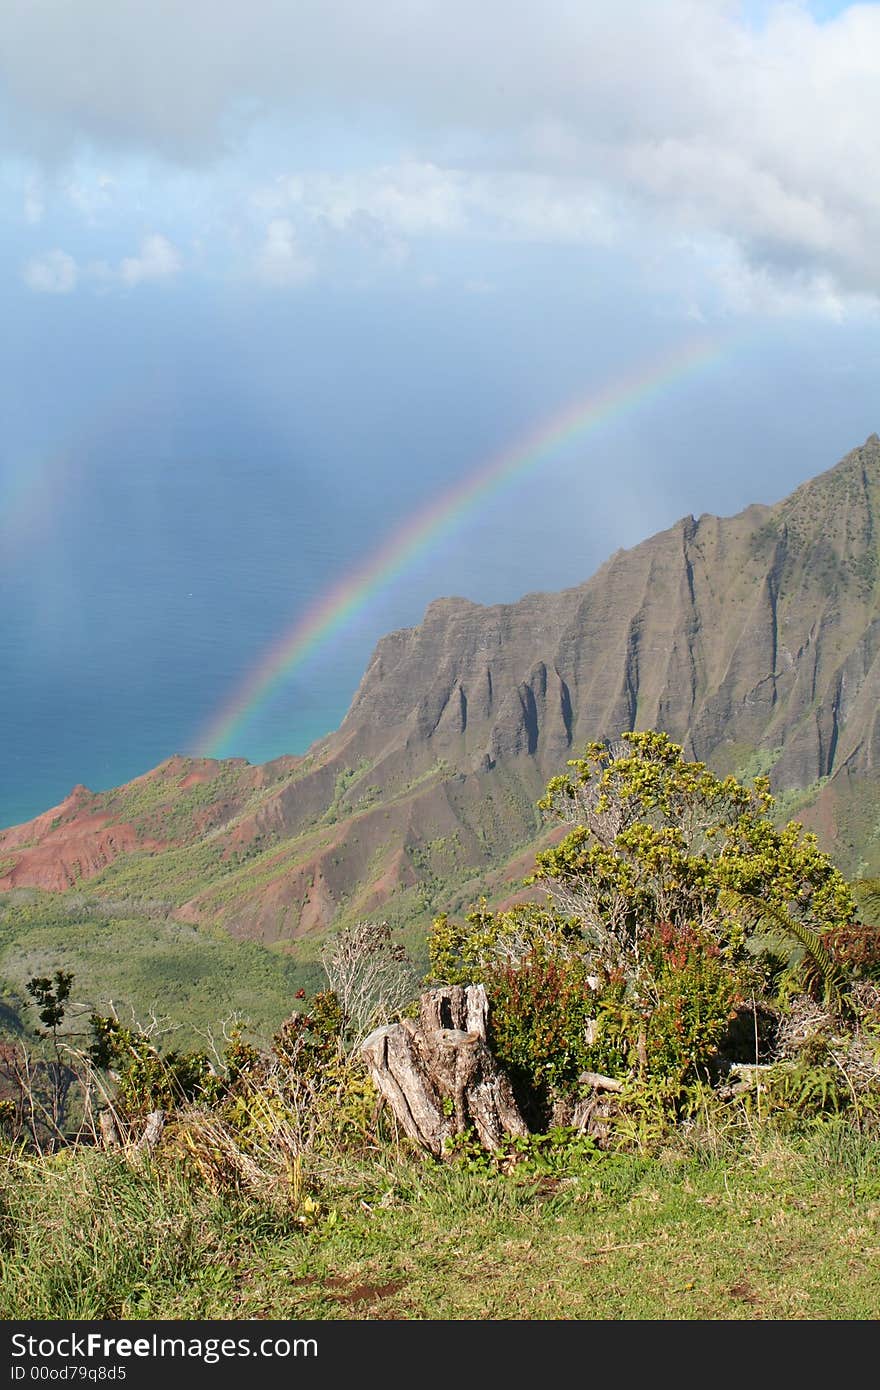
<point x="753" y="640"/>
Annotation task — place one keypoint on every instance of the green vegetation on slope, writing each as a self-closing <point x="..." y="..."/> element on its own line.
<point x="191" y="977"/>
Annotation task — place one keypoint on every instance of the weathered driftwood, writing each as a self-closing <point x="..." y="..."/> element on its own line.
<point x="439" y="1076"/>
<point x="599" y="1082"/>
<point x="591" y="1112"/>
<point x="593" y="1115"/>
<point x="749" y="1076"/>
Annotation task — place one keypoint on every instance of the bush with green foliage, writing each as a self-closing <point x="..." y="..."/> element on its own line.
<point x="656" y="838"/>
<point x="692" y="996"/>
<point x="540" y="1019"/>
<point x="671" y="900"/>
<point x="248" y="1120"/>
<point x="145" y="1078"/>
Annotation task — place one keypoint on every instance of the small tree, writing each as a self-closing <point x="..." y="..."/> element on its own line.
<point x="371" y="975"/>
<point x="657" y="838"/>
<point x="51" y="996"/>
<point x="664" y="896"/>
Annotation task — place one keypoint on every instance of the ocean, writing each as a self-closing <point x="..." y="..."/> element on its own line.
<point x="149" y="564"/>
<point x="176" y="494"/>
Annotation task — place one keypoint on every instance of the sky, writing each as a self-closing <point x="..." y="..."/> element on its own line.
<point x="276" y="277"/>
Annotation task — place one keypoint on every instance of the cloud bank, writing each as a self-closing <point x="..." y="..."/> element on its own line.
<point x="567" y="119"/>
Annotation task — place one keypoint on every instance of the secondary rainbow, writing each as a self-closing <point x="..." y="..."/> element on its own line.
<point x="333" y="609"/>
<point x="29" y="492"/>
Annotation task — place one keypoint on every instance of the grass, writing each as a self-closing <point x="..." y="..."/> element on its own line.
<point x="783" y="1230"/>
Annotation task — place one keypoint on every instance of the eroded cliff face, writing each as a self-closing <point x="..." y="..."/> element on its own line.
<point x="754" y="640"/>
<point x="759" y="630"/>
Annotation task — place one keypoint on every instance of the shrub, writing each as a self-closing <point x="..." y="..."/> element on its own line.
<point x="542" y="1019"/>
<point x="665" y="901"/>
<point x="460" y="952"/>
<point x="856" y="947"/>
<point x="694" y="995"/>
<point x="144" y="1078"/>
<point x="371" y="976"/>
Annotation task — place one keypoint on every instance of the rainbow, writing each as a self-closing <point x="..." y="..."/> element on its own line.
<point x="333" y="609"/>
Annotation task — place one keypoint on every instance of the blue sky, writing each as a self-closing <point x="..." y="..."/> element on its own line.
<point x="308" y="264"/>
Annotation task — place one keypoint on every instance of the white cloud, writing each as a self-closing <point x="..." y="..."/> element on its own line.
<point x="392" y="204"/>
<point x="90" y="195"/>
<point x="280" y="261"/>
<point x="411" y="198"/>
<point x="560" y="121"/>
<point x="755" y="290"/>
<point x="158" y="259"/>
<point x="54" y="273"/>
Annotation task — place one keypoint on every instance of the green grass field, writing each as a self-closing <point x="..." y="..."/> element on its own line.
<point x="779" y="1230"/>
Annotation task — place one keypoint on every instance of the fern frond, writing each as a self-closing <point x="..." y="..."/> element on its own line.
<point x="820" y="963"/>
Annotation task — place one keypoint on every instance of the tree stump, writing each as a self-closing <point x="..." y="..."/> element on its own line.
<point x="439" y="1076"/>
